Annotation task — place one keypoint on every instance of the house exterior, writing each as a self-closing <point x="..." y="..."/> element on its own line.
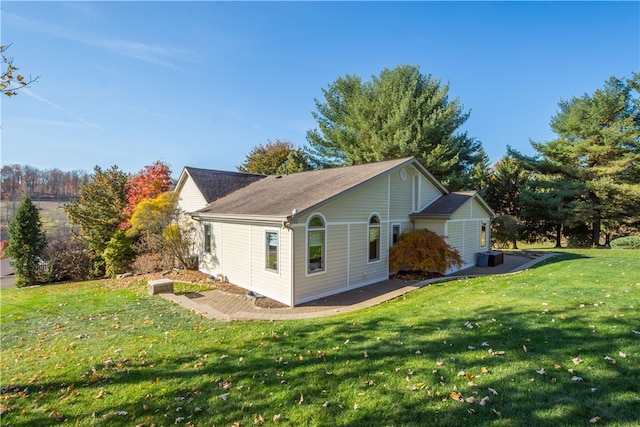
<point x="299" y="237"/>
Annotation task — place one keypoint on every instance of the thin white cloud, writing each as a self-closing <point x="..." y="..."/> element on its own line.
<point x="30" y="93"/>
<point x="163" y="55"/>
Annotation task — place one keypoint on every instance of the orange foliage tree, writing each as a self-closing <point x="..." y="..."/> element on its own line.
<point x="423" y="250"/>
<point x="149" y="182"/>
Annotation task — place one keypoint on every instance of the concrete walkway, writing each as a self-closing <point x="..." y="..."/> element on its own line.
<point x="216" y="304"/>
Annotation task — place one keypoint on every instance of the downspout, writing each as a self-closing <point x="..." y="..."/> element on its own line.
<point x="292" y="259"/>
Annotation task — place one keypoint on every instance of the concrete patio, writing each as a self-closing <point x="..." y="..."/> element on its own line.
<point x="220" y="305"/>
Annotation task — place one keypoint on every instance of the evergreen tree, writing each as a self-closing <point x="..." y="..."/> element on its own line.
<point x="400" y="113"/>
<point x="26" y="242"/>
<point x="99" y="210"/>
<point x="595" y="161"/>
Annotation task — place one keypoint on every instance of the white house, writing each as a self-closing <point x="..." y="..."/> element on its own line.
<point x="299" y="237"/>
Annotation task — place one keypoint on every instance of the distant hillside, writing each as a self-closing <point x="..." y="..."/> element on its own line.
<point x="16" y="181"/>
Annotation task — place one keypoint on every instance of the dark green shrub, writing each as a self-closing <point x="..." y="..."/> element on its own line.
<point x="627" y="242"/>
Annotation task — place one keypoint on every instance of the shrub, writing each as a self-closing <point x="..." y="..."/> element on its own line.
<point x="3" y="246"/>
<point x="423" y="250"/>
<point x="627" y="242"/>
<point x="68" y="260"/>
<point x="148" y="263"/>
<point x="119" y="254"/>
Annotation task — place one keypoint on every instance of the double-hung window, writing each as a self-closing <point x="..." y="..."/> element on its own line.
<point x="483" y="234"/>
<point x="271" y="251"/>
<point x="374" y="238"/>
<point x="316" y="249"/>
<point x="207" y="238"/>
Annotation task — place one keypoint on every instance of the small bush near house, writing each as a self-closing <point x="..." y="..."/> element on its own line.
<point x="423" y="250"/>
<point x="148" y="263"/>
<point x="628" y="242"/>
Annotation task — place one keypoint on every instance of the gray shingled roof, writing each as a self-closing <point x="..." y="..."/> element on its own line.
<point x="214" y="184"/>
<point x="446" y="205"/>
<point x="277" y="196"/>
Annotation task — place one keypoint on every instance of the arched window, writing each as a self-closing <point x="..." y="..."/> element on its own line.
<point x="374" y="238"/>
<point x="316" y="250"/>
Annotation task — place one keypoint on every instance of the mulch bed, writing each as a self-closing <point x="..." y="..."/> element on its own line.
<point x="414" y="275"/>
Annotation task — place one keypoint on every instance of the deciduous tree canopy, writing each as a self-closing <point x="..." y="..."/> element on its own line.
<point x="148" y="183"/>
<point x="399" y="113"/>
<point x="275" y="158"/>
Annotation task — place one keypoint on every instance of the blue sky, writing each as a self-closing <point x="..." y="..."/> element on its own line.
<point x="201" y="83"/>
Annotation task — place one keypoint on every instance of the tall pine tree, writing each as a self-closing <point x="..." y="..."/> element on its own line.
<point x="595" y="161"/>
<point x="27" y="241"/>
<point x="399" y="113"/>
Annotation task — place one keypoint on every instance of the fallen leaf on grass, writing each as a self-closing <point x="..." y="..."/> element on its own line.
<point x="301" y="399"/>
<point x="115" y="414"/>
<point x="496" y="353"/>
<point x="493" y="390"/>
<point x="594" y="420"/>
<point x="577" y="360"/>
<point x="621" y="354"/>
<point x="610" y="360"/>
<point x="101" y="392"/>
<point x="541" y="371"/>
<point x="224" y="396"/>
<point x="456" y="396"/>
<point x="484" y="401"/>
<point x="576" y="378"/>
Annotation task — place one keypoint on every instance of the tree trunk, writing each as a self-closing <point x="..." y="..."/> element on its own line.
<point x="515" y="244"/>
<point x="559" y="236"/>
<point x="595" y="237"/>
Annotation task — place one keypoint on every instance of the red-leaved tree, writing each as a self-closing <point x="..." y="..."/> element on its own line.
<point x="148" y="183"/>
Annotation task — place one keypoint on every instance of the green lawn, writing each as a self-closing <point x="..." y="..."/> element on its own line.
<point x="461" y="353"/>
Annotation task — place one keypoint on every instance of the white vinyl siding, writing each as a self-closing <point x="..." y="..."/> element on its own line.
<point x="428" y="192"/>
<point x="438" y="226"/>
<point x="191" y="199"/>
<point x="238" y="255"/>
<point x="467" y="223"/>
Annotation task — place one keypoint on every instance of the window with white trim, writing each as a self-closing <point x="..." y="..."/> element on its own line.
<point x="374" y="238"/>
<point x="316" y="248"/>
<point x="395" y="234"/>
<point x="483" y="234"/>
<point x="208" y="237"/>
<point x="271" y="250"/>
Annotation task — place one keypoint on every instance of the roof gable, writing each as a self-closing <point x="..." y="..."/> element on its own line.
<point x="214" y="184"/>
<point x="278" y="196"/>
<point x="447" y="205"/>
